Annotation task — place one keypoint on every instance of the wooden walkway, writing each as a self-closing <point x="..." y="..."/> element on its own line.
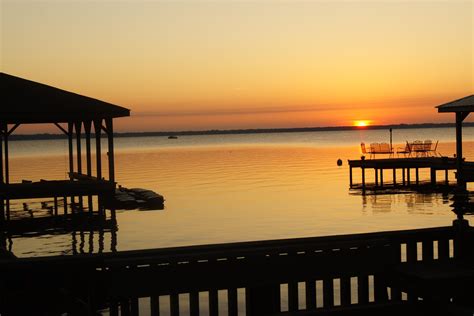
<point x="410" y="172"/>
<point x="334" y="275"/>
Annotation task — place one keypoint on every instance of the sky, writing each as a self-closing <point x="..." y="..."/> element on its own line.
<point x="227" y="64"/>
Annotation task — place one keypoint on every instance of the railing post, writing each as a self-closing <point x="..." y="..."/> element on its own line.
<point x="262" y="300"/>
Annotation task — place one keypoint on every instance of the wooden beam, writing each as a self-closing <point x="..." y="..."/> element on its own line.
<point x="61" y="128"/>
<point x="13" y="129"/>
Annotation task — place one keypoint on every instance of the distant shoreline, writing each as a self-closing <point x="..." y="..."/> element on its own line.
<point x="46" y="136"/>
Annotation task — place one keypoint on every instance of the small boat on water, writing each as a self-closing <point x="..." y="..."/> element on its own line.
<point x="137" y="198"/>
<point x="172" y="137"/>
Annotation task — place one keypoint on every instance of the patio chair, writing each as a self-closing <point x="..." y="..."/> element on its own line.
<point x="434" y="151"/>
<point x="418" y="148"/>
<point x="405" y="151"/>
<point x="364" y="150"/>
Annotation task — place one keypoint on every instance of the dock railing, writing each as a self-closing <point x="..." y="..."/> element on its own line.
<point x="256" y="278"/>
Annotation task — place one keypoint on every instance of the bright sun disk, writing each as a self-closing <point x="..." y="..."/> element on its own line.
<point x="361" y="123"/>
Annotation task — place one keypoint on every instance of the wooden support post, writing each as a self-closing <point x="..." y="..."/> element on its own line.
<point x="446" y="178"/>
<point x="55" y="206"/>
<point x="433" y="176"/>
<point x="7" y="170"/>
<point x="363" y="180"/>
<point x="98" y="154"/>
<point x="459" y="118"/>
<point x="394" y="177"/>
<point x="376" y="177"/>
<point x="417" y="176"/>
<point x="65" y="204"/>
<point x="78" y="126"/>
<point x="70" y="131"/>
<point x="381" y="177"/>
<point x="2" y="201"/>
<point x="408" y="176"/>
<point x="110" y="137"/>
<point x="87" y="130"/>
<point x="403" y="177"/>
<point x="350" y="177"/>
<point x="7" y="163"/>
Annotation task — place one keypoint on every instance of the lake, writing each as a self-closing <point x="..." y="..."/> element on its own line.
<point x="226" y="188"/>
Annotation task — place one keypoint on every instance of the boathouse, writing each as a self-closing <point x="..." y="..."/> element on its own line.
<point x="78" y="117"/>
<point x="461" y="108"/>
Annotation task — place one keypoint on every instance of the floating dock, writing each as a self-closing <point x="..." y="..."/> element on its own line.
<point x="410" y="173"/>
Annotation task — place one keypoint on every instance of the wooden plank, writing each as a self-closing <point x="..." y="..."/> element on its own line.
<point x="311" y="294"/>
<point x="194" y="303"/>
<point x="328" y="292"/>
<point x="155" y="305"/>
<point x="113" y="310"/>
<point x="213" y="303"/>
<point x="124" y="307"/>
<point x="345" y="291"/>
<point x="134" y="310"/>
<point x="174" y="304"/>
<point x="232" y="302"/>
<point x="363" y="289"/>
<point x="427" y="250"/>
<point x="443" y="249"/>
<point x="293" y="296"/>
<point x="411" y="251"/>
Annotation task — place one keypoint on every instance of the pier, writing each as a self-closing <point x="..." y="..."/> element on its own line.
<point x="405" y="173"/>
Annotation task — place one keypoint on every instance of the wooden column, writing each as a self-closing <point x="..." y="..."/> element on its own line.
<point x="433" y="176"/>
<point x="403" y="177"/>
<point x="376" y="177"/>
<point x="394" y="177"/>
<point x="98" y="157"/>
<point x="7" y="170"/>
<point x="78" y="126"/>
<point x="70" y="131"/>
<point x="350" y="177"/>
<point x="408" y="176"/>
<point x="110" y="137"/>
<point x="381" y="177"/>
<point x="460" y="116"/>
<point x="87" y="131"/>
<point x="2" y="201"/>
<point x="417" y="176"/>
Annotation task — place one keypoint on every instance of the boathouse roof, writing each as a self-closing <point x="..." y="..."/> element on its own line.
<point x="26" y="101"/>
<point x="465" y="104"/>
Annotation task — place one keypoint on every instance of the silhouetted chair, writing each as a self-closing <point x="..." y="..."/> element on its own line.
<point x="405" y="151"/>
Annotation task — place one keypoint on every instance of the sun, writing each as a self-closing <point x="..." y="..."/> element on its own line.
<point x="361" y="123"/>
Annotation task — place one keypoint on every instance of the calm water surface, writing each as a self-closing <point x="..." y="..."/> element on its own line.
<point x="224" y="188"/>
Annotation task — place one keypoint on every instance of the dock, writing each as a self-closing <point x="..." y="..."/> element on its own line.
<point x="359" y="274"/>
<point x="405" y="173"/>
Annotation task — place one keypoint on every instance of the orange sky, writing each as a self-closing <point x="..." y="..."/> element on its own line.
<point x="228" y="64"/>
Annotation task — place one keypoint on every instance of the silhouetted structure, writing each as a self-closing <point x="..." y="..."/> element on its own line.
<point x="29" y="102"/>
<point x="461" y="108"/>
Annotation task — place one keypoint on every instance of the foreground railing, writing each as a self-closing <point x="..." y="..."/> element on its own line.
<point x="268" y="277"/>
<point x="250" y="278"/>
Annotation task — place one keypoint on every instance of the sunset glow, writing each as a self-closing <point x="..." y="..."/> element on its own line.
<point x="197" y="65"/>
<point x="362" y="123"/>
